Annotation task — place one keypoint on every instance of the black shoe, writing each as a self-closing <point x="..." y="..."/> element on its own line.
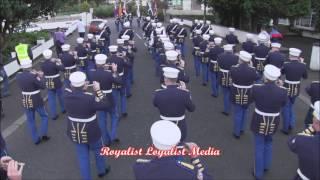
<point x="224" y="113"/>
<point x="63" y="112"/>
<point x="105" y="173"/>
<point x="129" y="95"/>
<point x="55" y="118"/>
<point x="236" y="137"/>
<point x="38" y="142"/>
<point x="241" y="132"/>
<point x="124" y="115"/>
<point x="266" y="170"/>
<point x="116" y="140"/>
<point x="204" y="84"/>
<point x="284" y="132"/>
<point x="214" y="96"/>
<point x="45" y="138"/>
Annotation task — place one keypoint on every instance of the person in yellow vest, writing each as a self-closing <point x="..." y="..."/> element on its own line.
<point x="24" y="52"/>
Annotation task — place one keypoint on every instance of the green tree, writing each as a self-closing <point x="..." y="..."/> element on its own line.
<point x="315" y="6"/>
<point x="15" y="13"/>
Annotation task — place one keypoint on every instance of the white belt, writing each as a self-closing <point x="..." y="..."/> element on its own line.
<point x="224" y="70"/>
<point x="163" y="86"/>
<point x="241" y="86"/>
<point x="260" y="59"/>
<point x="302" y="176"/>
<point x="71" y="67"/>
<point x="196" y="48"/>
<point x="83" y="120"/>
<point x="53" y="76"/>
<point x="107" y="91"/>
<point x="266" y="114"/>
<point x="102" y="39"/>
<point x="93" y="50"/>
<point x="292" y="82"/>
<point x="213" y="61"/>
<point x="82" y="58"/>
<point x="121" y="74"/>
<point x="172" y="118"/>
<point x="31" y="93"/>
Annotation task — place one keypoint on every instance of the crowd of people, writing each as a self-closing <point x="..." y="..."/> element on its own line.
<point x="94" y="80"/>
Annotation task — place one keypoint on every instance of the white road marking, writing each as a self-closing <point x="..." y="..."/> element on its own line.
<point x="138" y="36"/>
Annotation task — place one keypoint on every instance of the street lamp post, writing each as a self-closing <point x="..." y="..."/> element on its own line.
<point x="205" y="9"/>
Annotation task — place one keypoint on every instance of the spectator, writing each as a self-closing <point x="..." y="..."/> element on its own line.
<point x="81" y="28"/>
<point x="10" y="169"/>
<point x="4" y="79"/>
<point x="59" y="39"/>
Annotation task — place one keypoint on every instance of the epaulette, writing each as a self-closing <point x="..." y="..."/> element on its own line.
<point x="258" y="84"/>
<point x="315" y="82"/>
<point x="305" y="134"/>
<point x="157" y="90"/>
<point x="186" y="165"/>
<point x="286" y="62"/>
<point x="143" y="160"/>
<point x="93" y="70"/>
<point x="236" y="65"/>
<point x="88" y="93"/>
<point x="67" y="89"/>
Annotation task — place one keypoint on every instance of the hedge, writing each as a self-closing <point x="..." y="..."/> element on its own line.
<point x="104" y="11"/>
<point x="29" y="37"/>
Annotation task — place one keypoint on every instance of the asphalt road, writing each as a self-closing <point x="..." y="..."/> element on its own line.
<point x="56" y="160"/>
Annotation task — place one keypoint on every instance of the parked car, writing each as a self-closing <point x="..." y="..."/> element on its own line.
<point x="95" y="24"/>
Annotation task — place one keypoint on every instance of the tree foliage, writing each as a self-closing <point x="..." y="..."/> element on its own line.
<point x="17" y="12"/>
<point x="250" y="14"/>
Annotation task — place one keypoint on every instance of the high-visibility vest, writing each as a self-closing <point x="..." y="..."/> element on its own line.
<point x="22" y="52"/>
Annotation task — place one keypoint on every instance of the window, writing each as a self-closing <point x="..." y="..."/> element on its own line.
<point x="307" y="22"/>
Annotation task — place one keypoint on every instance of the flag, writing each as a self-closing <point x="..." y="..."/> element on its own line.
<point x="155" y="8"/>
<point x="150" y="11"/>
<point x="120" y="9"/>
<point x="115" y="10"/>
<point x="124" y="9"/>
<point x="138" y="8"/>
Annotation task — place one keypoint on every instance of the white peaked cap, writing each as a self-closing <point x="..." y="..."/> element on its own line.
<point x="158" y="30"/>
<point x="211" y="32"/>
<point x="198" y="31"/>
<point x="170" y="72"/>
<point x="316" y="112"/>
<point x="196" y="20"/>
<point x="77" y="79"/>
<point x="113" y="48"/>
<point x="206" y="36"/>
<point x="228" y="47"/>
<point x="90" y="36"/>
<point x="100" y="59"/>
<point x="181" y="23"/>
<point x="271" y="72"/>
<point x="165" y="135"/>
<point x="172" y="55"/>
<point x="125" y="37"/>
<point x="80" y="40"/>
<point x="120" y="41"/>
<point x="148" y="18"/>
<point x="159" y="24"/>
<point x="249" y="36"/>
<point x="294" y="52"/>
<point x="217" y="40"/>
<point x="276" y="45"/>
<point x="208" y="22"/>
<point x="47" y="54"/>
<point x="231" y="29"/>
<point x="126" y="24"/>
<point x="245" y="56"/>
<point x="154" y="24"/>
<point x="201" y="21"/>
<point x="168" y="46"/>
<point x="65" y="47"/>
<point x="152" y="21"/>
<point x="26" y="64"/>
<point x="171" y="20"/>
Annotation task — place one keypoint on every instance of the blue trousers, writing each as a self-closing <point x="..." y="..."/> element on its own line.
<point x="83" y="154"/>
<point x="289" y="117"/>
<point x="102" y="117"/>
<point x="197" y="65"/>
<point x="120" y="100"/>
<point x="30" y="113"/>
<point x="205" y="73"/>
<point x="181" y="47"/>
<point x="263" y="154"/>
<point x="52" y="96"/>
<point x="239" y="119"/>
<point x="226" y="100"/>
<point x="214" y="83"/>
<point x="5" y="82"/>
<point x="118" y="27"/>
<point x="157" y="64"/>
